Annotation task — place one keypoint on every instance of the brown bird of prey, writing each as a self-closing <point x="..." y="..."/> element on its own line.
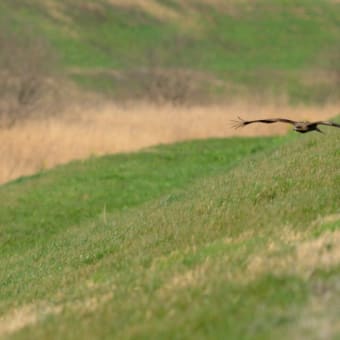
<point x="301" y="127"/>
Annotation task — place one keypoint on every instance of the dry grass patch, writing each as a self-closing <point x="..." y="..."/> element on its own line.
<point x="34" y="145"/>
<point x="186" y="14"/>
<point x="308" y="256"/>
<point x="25" y="316"/>
<point x="285" y="253"/>
<point x="151" y="7"/>
<point x="31" y="314"/>
<point x="56" y="10"/>
<point x="189" y="278"/>
<point x="320" y="318"/>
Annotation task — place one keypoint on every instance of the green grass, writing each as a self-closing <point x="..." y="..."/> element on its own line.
<point x="84" y="189"/>
<point x="212" y="239"/>
<point x="275" y="45"/>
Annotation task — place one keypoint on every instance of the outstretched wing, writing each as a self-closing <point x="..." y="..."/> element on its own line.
<point x="328" y="123"/>
<point x="241" y="122"/>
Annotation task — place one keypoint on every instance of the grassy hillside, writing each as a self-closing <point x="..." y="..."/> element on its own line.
<point x="236" y="47"/>
<point x="224" y="238"/>
<point x="80" y="191"/>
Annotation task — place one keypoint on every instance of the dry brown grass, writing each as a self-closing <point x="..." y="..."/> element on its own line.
<point x="186" y="16"/>
<point x="151" y="7"/>
<point x="79" y="133"/>
<point x="31" y="314"/>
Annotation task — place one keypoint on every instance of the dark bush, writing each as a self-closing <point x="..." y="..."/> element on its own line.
<point x="28" y="76"/>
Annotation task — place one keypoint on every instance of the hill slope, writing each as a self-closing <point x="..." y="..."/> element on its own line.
<point x="251" y="251"/>
<point x="78" y="192"/>
<point x="235" y="48"/>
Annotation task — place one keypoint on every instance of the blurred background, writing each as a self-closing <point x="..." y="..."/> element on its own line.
<point x="81" y="78"/>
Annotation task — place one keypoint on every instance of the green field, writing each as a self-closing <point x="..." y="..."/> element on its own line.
<point x="224" y="238"/>
<point x="260" y="48"/>
<point x="233" y="238"/>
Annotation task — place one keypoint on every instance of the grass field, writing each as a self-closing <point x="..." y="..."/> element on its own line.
<point x="235" y="238"/>
<point x="285" y="47"/>
<point x="115" y="233"/>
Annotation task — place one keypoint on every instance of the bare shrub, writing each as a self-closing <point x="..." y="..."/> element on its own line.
<point x="28" y="84"/>
<point x="329" y="62"/>
<point x="175" y="86"/>
<point x="158" y="80"/>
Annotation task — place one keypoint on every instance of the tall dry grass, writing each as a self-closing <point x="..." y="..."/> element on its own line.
<point x="34" y="145"/>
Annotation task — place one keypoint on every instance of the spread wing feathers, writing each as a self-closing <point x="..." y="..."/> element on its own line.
<point x="241" y="122"/>
<point x="328" y="123"/>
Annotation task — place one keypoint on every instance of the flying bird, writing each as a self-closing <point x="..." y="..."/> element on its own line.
<point x="301" y="127"/>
